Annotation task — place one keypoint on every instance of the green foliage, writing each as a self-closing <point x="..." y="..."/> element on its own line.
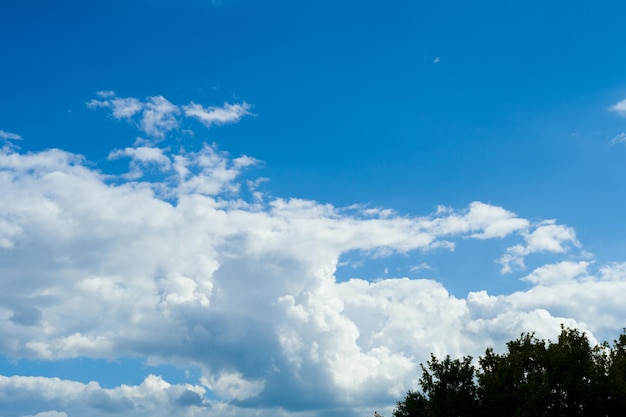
<point x="615" y="383"/>
<point x="533" y="378"/>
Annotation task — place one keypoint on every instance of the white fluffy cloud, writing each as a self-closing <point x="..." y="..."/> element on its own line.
<point x="153" y="397"/>
<point x="547" y="236"/>
<point x="180" y="269"/>
<point x="555" y="273"/>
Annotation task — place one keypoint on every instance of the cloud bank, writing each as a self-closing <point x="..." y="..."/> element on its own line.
<point x="177" y="267"/>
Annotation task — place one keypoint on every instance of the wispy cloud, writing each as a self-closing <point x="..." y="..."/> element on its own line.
<point x="420" y="267"/>
<point x="125" y="107"/>
<point x="229" y="113"/>
<point x="9" y="136"/>
<point x="619" y="108"/>
<point x="106" y="94"/>
<point x="158" y="116"/>
<point x="142" y="157"/>
<point x="121" y="108"/>
<point x="619" y="138"/>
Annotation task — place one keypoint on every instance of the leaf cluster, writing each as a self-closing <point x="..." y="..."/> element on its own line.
<point x="533" y="378"/>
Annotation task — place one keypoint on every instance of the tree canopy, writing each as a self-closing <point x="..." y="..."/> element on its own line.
<point x="534" y="377"/>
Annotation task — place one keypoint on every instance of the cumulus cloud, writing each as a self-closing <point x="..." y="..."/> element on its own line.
<point x="179" y="268"/>
<point x="613" y="272"/>
<point x="547" y="236"/>
<point x="247" y="293"/>
<point x="153" y="397"/>
<point x="487" y="221"/>
<point x="232" y="385"/>
<point x="557" y="273"/>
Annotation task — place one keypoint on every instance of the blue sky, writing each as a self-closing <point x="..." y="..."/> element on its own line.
<point x="281" y="208"/>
